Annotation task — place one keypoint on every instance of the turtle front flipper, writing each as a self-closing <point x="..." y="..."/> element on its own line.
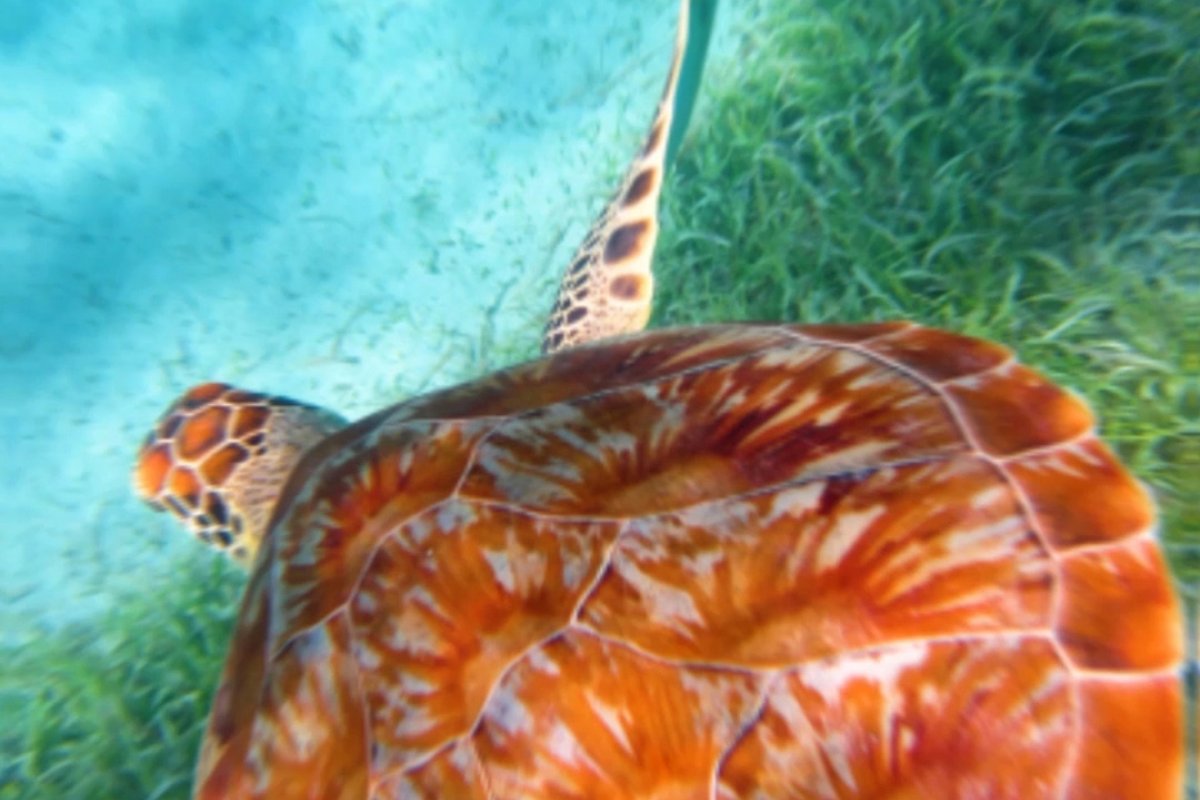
<point x="219" y="457"/>
<point x="609" y="286"/>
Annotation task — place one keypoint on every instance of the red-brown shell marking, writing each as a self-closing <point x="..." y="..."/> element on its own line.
<point x="743" y="561"/>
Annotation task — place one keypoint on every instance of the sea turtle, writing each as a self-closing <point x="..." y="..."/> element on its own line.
<point x="873" y="560"/>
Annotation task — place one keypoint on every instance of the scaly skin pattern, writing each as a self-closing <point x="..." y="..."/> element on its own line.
<point x="217" y="459"/>
<point x="721" y="562"/>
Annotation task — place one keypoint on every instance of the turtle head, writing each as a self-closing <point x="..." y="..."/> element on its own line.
<point x="218" y="459"/>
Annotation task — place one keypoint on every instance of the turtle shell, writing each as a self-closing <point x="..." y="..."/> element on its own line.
<point x="738" y="561"/>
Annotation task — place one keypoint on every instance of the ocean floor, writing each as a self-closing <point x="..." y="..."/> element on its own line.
<point x="346" y="202"/>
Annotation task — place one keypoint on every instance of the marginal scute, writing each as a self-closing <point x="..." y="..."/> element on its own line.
<point x="1118" y="611"/>
<point x="1053" y="481"/>
<point x="1131" y="749"/>
<point x="309" y="727"/>
<point x="235" y="704"/>
<point x="1012" y="410"/>
<point x="939" y="355"/>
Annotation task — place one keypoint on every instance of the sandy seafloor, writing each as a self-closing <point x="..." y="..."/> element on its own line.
<point x="346" y="201"/>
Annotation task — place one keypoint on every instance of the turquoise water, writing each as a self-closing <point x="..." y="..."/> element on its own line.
<point x="347" y="202"/>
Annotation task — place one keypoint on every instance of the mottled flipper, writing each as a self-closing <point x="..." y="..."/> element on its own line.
<point x="609" y="286"/>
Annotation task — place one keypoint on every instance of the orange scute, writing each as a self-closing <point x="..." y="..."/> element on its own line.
<point x="827" y="567"/>
<point x="979" y="718"/>
<point x="577" y="715"/>
<point x="248" y="419"/>
<point x="184" y="486"/>
<point x="217" y="468"/>
<point x="1014" y="409"/>
<point x="941" y="355"/>
<point x="1118" y="610"/>
<point x="717" y="430"/>
<point x="1053" y="481"/>
<point x="203" y="432"/>
<point x="152" y="468"/>
<point x="1132" y="749"/>
<point x="692" y="479"/>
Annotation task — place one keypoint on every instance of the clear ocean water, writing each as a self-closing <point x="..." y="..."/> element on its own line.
<point x="357" y="201"/>
<point x="347" y="202"/>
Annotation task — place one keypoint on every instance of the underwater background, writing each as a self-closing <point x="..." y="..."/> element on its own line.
<point x="353" y="201"/>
